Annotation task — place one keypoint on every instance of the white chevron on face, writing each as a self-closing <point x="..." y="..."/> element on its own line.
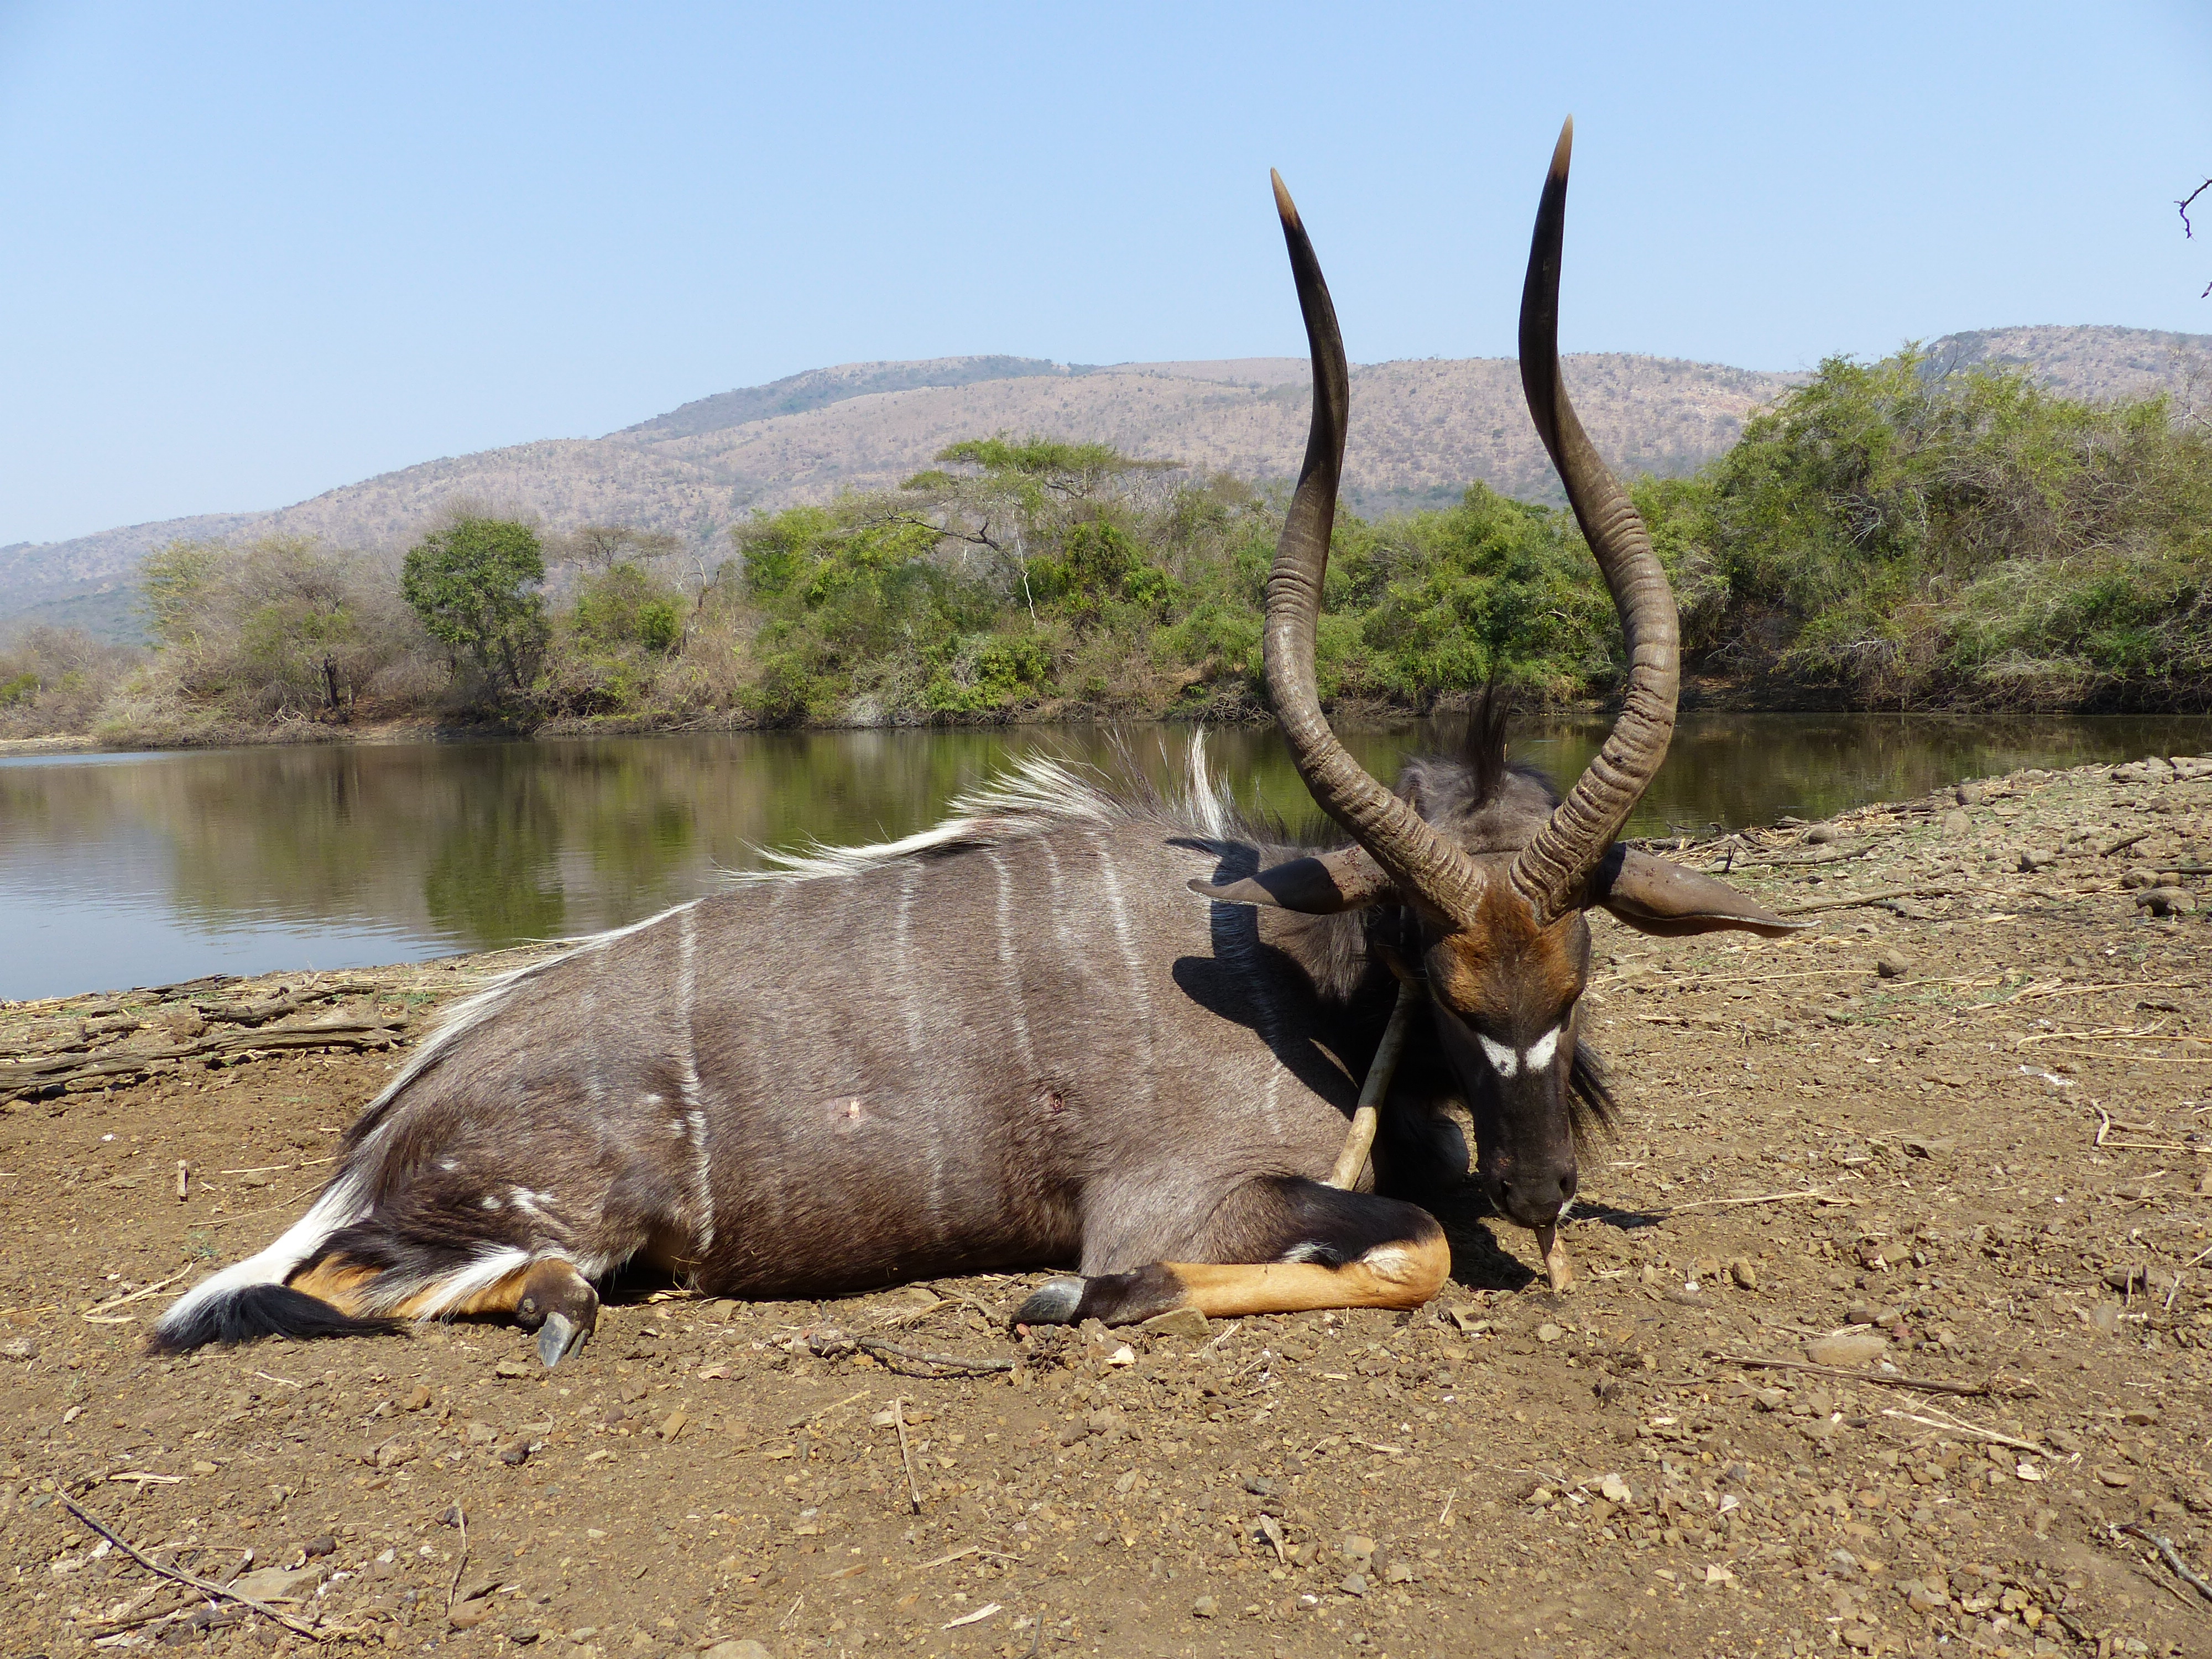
<point x="1535" y="1057"/>
<point x="1540" y="1052"/>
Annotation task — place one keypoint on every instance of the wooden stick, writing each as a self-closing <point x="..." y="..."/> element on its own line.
<point x="1882" y="897"/>
<point x="1761" y="1362"/>
<point x="452" y="1586"/>
<point x="1557" y="1267"/>
<point x="877" y="1344"/>
<point x="137" y="1295"/>
<point x="192" y="1580"/>
<point x="906" y="1450"/>
<point x="1952" y="1426"/>
<point x="2165" y="1548"/>
<point x="1821" y="1194"/>
<point x="1359" y="1138"/>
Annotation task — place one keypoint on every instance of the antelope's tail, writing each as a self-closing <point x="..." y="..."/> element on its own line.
<point x="250" y="1299"/>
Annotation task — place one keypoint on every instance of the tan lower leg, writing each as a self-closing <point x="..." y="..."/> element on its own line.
<point x="1389" y="1276"/>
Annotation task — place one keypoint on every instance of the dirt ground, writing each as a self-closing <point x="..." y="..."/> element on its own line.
<point x="1956" y="1141"/>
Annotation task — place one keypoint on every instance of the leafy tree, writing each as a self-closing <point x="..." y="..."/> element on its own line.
<point x="472" y="585"/>
<point x="625" y="605"/>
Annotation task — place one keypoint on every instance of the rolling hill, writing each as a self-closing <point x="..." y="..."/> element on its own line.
<point x="1421" y="431"/>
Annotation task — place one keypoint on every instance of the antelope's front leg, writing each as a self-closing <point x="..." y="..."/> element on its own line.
<point x="1284" y="1246"/>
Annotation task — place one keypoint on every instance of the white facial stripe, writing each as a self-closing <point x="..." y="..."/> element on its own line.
<point x="1501" y="1059"/>
<point x="1540" y="1056"/>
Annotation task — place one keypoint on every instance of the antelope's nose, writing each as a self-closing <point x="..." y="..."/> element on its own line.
<point x="1533" y="1197"/>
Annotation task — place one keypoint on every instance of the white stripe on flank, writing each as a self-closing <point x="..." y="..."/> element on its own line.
<point x="341" y="1206"/>
<point x="901" y="938"/>
<point x="1501" y="1059"/>
<point x="1140" y="993"/>
<point x="1540" y="1054"/>
<point x="693" y="1122"/>
<point x="1010" y="974"/>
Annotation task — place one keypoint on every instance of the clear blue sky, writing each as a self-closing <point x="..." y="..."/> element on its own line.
<point x="252" y="253"/>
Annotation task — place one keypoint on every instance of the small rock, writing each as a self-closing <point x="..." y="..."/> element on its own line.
<point x="1261" y="1485"/>
<point x="2167" y="900"/>
<point x="278" y="1583"/>
<point x="325" y="1545"/>
<point x="1398" y="1572"/>
<point x="1356" y="1546"/>
<point x="510" y="1368"/>
<point x="522" y="1635"/>
<point x="1745" y="1272"/>
<point x="2036" y="859"/>
<point x="1352" y="1584"/>
<point x="516" y="1455"/>
<point x="1970" y="794"/>
<point x="2141" y="1417"/>
<point x="393" y="1453"/>
<point x="419" y="1399"/>
<point x="2117" y="1477"/>
<point x="1955" y="823"/>
<point x="467" y="1615"/>
<point x="1549" y="1333"/>
<point x="1123" y="1354"/>
<point x="1177" y="1321"/>
<point x="1847" y="1349"/>
<point x="743" y="1648"/>
<point x="1616" y="1491"/>
<point x="1204" y="1608"/>
<point x="21" y="1349"/>
<point x="1820" y="835"/>
<point x="1890" y="965"/>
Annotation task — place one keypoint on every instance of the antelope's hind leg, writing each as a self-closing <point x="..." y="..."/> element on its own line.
<point x="1280" y="1245"/>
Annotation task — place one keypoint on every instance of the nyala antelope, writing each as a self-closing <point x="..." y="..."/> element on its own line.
<point x="1018" y="1041"/>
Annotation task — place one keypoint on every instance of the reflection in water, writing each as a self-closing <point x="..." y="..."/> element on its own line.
<point x="137" y="869"/>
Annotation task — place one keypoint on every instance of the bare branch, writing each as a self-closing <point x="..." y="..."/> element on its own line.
<point x="2186" y="228"/>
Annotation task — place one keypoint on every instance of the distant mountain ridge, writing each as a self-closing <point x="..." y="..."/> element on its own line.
<point x="1421" y="431"/>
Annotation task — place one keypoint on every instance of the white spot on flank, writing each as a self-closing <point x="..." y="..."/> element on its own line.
<point x="489" y="1201"/>
<point x="1387" y="1260"/>
<point x="449" y="1165"/>
<point x="652" y="1100"/>
<point x="1540" y="1054"/>
<point x="1503" y="1060"/>
<point x="1307" y="1251"/>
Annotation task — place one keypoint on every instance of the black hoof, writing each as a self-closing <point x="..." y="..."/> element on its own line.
<point x="1053" y="1303"/>
<point x="559" y="1337"/>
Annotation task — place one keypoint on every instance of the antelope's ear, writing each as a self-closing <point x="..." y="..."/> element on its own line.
<point x="1322" y="886"/>
<point x="1654" y="897"/>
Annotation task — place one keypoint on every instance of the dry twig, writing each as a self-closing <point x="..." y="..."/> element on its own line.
<point x="1761" y="1362"/>
<point x="883" y="1349"/>
<point x="906" y="1450"/>
<point x="2182" y="1569"/>
<point x="193" y="1581"/>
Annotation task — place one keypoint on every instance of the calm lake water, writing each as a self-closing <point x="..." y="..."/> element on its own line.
<point x="143" y="869"/>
